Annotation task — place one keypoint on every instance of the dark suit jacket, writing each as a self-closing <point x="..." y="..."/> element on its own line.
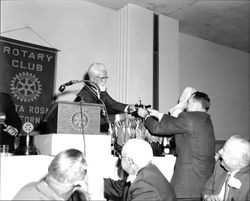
<point x="215" y="182"/>
<point x="88" y="95"/>
<point x="150" y="184"/>
<point x="116" y="190"/>
<point x="7" y="106"/>
<point x="195" y="149"/>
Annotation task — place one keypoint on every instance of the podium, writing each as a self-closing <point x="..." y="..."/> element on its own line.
<point x="70" y="117"/>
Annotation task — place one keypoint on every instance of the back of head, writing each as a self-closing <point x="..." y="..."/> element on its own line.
<point x="95" y="68"/>
<point x="239" y="149"/>
<point x="68" y="166"/>
<point x="139" y="151"/>
<point x="202" y="98"/>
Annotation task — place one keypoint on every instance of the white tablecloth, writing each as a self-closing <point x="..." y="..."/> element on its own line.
<point x="16" y="171"/>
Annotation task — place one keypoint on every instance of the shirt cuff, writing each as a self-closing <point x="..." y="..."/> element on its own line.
<point x="160" y="116"/>
<point x="126" y="108"/>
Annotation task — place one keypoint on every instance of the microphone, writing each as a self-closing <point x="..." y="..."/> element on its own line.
<point x="63" y="86"/>
<point x="2" y="119"/>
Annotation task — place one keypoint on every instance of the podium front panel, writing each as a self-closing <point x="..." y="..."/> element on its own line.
<point x="75" y="118"/>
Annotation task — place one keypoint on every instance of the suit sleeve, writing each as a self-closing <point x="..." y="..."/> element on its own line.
<point x="168" y="125"/>
<point x="113" y="189"/>
<point x="144" y="191"/>
<point x="112" y="106"/>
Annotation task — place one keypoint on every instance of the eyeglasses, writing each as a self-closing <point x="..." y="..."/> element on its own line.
<point x="102" y="78"/>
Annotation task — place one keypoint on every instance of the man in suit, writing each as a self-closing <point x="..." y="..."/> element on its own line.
<point x="231" y="176"/>
<point x="195" y="143"/>
<point x="10" y="129"/>
<point x="148" y="183"/>
<point x="96" y="92"/>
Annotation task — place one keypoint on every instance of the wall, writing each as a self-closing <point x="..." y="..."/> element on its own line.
<point x="136" y="48"/>
<point x="83" y="32"/>
<point x="168" y="63"/>
<point x="223" y="73"/>
<point x="136" y="57"/>
<point x="86" y="33"/>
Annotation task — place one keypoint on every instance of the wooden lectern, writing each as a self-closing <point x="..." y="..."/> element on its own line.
<point x="75" y="118"/>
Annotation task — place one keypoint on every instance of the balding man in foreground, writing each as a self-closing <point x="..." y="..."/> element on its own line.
<point x="149" y="183"/>
<point x="230" y="179"/>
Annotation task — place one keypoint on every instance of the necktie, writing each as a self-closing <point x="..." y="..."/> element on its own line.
<point x="226" y="187"/>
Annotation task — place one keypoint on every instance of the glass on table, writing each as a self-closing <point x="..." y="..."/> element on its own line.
<point x="4" y="150"/>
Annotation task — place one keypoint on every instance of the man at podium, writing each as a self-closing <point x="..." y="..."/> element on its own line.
<point x="95" y="91"/>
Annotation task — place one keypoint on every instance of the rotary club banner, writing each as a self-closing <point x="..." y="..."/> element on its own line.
<point x="27" y="74"/>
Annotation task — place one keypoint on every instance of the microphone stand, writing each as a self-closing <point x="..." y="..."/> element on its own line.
<point x="82" y="127"/>
<point x="99" y="98"/>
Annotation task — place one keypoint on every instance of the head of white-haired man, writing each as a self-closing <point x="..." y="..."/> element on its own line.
<point x="235" y="154"/>
<point x="135" y="155"/>
<point x="98" y="74"/>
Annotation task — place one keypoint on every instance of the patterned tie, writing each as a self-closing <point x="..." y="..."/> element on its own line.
<point x="226" y="187"/>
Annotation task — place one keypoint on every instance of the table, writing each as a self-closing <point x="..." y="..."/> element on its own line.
<point x="16" y="171"/>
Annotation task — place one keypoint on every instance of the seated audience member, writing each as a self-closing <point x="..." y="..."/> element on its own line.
<point x="195" y="143"/>
<point x="231" y="176"/>
<point x="13" y="122"/>
<point x="148" y="183"/>
<point x="97" y="74"/>
<point x="65" y="180"/>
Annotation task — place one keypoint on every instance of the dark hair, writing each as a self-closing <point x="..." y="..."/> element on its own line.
<point x="203" y="99"/>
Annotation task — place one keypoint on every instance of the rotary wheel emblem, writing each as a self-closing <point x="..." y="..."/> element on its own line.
<point x="25" y="87"/>
<point x="79" y="121"/>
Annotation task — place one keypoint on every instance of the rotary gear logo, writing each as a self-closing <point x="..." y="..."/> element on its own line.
<point x="25" y="87"/>
<point x="79" y="121"/>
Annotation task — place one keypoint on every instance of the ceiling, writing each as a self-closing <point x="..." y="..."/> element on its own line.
<point x="225" y="22"/>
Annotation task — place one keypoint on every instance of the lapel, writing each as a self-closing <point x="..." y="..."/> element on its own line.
<point x="236" y="194"/>
<point x="92" y="93"/>
<point x="220" y="179"/>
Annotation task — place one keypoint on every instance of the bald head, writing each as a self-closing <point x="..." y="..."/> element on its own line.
<point x="137" y="154"/>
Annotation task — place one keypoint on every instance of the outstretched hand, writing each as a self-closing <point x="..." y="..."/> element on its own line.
<point x="142" y="112"/>
<point x="154" y="113"/>
<point x="11" y="130"/>
<point x="131" y="108"/>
